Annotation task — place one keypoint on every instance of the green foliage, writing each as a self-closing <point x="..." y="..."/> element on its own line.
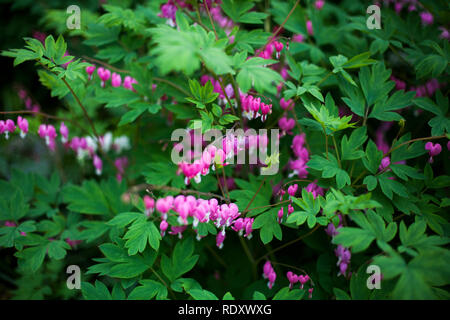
<point x="55" y="212"/>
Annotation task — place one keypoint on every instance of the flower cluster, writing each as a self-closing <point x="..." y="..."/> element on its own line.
<point x="29" y="105"/>
<point x="116" y="79"/>
<point x="414" y="5"/>
<point x="343" y="254"/>
<point x="269" y="49"/>
<point x="82" y="146"/>
<point x="433" y="150"/>
<point x="195" y="165"/>
<point x="7" y="127"/>
<point x="12" y="224"/>
<point x="286" y="125"/>
<point x="200" y="211"/>
<point x="253" y="108"/>
<point x="314" y="189"/>
<point x="269" y="273"/>
<point x="298" y="166"/>
<point x="293" y="279"/>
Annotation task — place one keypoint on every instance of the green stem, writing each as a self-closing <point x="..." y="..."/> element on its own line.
<point x="165" y="284"/>
<point x="288" y="243"/>
<point x="249" y="256"/>
<point x="267" y="206"/>
<point x="326" y="141"/>
<point x="210" y="19"/>
<point x="414" y="140"/>
<point x="324" y="78"/>
<point x="225" y="183"/>
<point x="256" y="193"/>
<point x="337" y="152"/>
<point x="83" y="108"/>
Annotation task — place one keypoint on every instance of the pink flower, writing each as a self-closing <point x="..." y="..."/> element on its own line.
<point x="10" y="224"/>
<point x="286" y="125"/>
<point x="48" y="133"/>
<point x="286" y="104"/>
<point x="116" y="80"/>
<point x="292" y="190"/>
<point x="299" y="168"/>
<point x="319" y="4"/>
<point x="280" y="214"/>
<point x="344" y="256"/>
<point x="331" y="230"/>
<point x="298" y="38"/>
<point x="149" y="204"/>
<point x="303" y="279"/>
<point x="128" y="82"/>
<point x="309" y="27"/>
<point x="98" y="164"/>
<point x="445" y="33"/>
<point x="73" y="243"/>
<point x="163" y="206"/>
<point x="433" y="150"/>
<point x="272" y="277"/>
<point x="384" y="163"/>
<point x="290" y="209"/>
<point x="292" y="278"/>
<point x="163" y="227"/>
<point x="7" y="127"/>
<point x="219" y="239"/>
<point x="104" y="75"/>
<point x="314" y="189"/>
<point x="177" y="230"/>
<point x="427" y="18"/>
<point x="90" y="70"/>
<point x="22" y="123"/>
<point x="269" y="273"/>
<point x="120" y="164"/>
<point x="64" y="133"/>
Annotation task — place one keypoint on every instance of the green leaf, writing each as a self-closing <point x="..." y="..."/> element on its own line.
<point x="228" y="296"/>
<point x="349" y="146"/>
<point x="374" y="82"/>
<point x="182" y="260"/>
<point x="341" y="294"/>
<point x="287" y="294"/>
<point x="184" y="49"/>
<point x="139" y="234"/>
<point x="160" y="173"/>
<point x="310" y="208"/>
<point x="87" y="198"/>
<point x="253" y="73"/>
<point x="372" y="227"/>
<point x="148" y="290"/>
<point x="398" y="100"/>
<point x="97" y="292"/>
<point x="372" y="159"/>
<point x="388" y="186"/>
<point x="238" y="11"/>
<point x="371" y="182"/>
<point x="14" y="207"/>
<point x="202" y="294"/>
<point x="33" y="256"/>
<point x="269" y="226"/>
<point x="330" y="168"/>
